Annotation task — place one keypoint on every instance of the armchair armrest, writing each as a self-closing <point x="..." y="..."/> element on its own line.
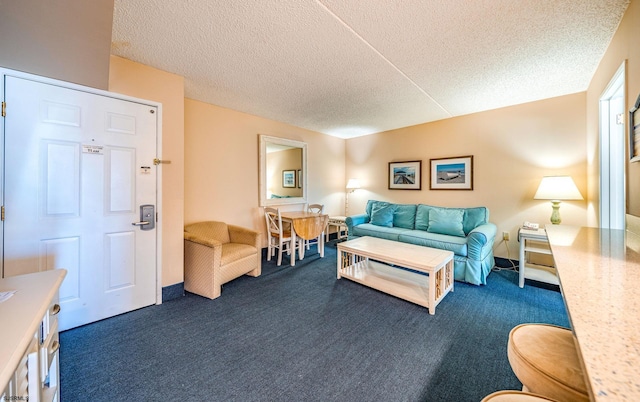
<point x="211" y="247"/>
<point x="238" y="234"/>
<point x="356" y="220"/>
<point x="205" y="241"/>
<point x="480" y="239"/>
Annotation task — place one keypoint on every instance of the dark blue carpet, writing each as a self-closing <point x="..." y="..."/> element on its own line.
<point x="298" y="334"/>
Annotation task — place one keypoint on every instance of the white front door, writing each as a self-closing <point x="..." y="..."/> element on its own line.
<point x="78" y="166"/>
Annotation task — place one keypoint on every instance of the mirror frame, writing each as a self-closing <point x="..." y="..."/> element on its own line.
<point x="264" y="201"/>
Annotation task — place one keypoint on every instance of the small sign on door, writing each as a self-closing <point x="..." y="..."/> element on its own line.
<point x="92" y="149"/>
<point x="145" y="169"/>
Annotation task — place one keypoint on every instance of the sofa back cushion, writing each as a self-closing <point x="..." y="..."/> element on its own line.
<point x="411" y="216"/>
<point x="382" y="215"/>
<point x="368" y="209"/>
<point x="472" y="217"/>
<point x="446" y="221"/>
<point x="405" y="216"/>
<point x="422" y="217"/>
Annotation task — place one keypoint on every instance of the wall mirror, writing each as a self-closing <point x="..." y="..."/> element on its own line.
<point x="283" y="171"/>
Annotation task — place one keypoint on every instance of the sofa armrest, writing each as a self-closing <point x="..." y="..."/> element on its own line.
<point x="356" y="220"/>
<point x="205" y="241"/>
<point x="238" y="234"/>
<point x="480" y="239"/>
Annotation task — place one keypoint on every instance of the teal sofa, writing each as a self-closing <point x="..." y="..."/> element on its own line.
<point x="465" y="231"/>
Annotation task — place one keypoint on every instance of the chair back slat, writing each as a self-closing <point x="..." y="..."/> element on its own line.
<point x="274" y="221"/>
<point x="315" y="208"/>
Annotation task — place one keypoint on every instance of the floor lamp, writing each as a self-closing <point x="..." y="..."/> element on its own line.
<point x="352" y="185"/>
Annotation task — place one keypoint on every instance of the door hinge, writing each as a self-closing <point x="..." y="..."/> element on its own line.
<point x="2" y="213"/>
<point x="4" y="109"/>
<point x="620" y="118"/>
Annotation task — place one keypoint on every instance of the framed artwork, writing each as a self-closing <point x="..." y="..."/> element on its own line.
<point x="405" y="175"/>
<point x="299" y="178"/>
<point x="634" y="132"/>
<point x="454" y="173"/>
<point x="289" y="178"/>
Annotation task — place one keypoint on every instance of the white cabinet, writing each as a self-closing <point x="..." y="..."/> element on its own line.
<point x="29" y="358"/>
<point x="535" y="242"/>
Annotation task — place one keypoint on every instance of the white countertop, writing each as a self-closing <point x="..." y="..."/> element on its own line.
<point x="21" y="315"/>
<point x="599" y="272"/>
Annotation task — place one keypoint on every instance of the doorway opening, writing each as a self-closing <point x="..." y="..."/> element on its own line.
<point x="612" y="153"/>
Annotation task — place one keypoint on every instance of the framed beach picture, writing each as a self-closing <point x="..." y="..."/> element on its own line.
<point x="452" y="173"/>
<point x="405" y="175"/>
<point x="288" y="178"/>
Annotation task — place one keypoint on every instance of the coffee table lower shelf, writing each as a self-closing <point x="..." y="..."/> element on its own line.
<point x="418" y="274"/>
<point x="406" y="285"/>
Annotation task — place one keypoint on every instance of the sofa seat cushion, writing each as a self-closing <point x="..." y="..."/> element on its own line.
<point x="444" y="242"/>
<point x="368" y="229"/>
<point x="234" y="251"/>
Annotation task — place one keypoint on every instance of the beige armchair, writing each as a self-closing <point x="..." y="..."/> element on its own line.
<point x="216" y="253"/>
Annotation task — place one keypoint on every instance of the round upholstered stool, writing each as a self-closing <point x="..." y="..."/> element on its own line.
<point x="515" y="396"/>
<point x="545" y="360"/>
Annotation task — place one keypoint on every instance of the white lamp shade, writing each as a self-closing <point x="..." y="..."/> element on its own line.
<point x="557" y="188"/>
<point x="353" y="184"/>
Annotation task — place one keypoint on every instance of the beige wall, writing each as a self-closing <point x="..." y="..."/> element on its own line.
<point x="221" y="165"/>
<point x="134" y="79"/>
<point x="512" y="147"/>
<point x="624" y="46"/>
<point x="69" y="40"/>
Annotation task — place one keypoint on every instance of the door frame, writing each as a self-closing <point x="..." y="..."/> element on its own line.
<point x="616" y="85"/>
<point x="44" y="80"/>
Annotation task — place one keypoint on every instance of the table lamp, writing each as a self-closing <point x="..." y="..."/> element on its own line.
<point x="352" y="185"/>
<point x="556" y="189"/>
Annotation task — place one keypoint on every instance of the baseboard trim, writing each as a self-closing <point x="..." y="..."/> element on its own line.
<point x="172" y="292"/>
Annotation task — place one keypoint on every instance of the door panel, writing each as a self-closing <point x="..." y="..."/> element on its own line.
<point x="73" y="185"/>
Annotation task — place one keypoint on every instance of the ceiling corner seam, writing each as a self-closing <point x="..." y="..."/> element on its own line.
<point x="363" y="40"/>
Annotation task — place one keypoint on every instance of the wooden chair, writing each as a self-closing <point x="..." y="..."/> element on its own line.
<point x="277" y="236"/>
<point x="317" y="209"/>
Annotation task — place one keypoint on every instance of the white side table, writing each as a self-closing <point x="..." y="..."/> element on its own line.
<point x="340" y="223"/>
<point x="535" y="242"/>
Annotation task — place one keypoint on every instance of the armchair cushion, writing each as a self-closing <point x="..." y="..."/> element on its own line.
<point x="235" y="251"/>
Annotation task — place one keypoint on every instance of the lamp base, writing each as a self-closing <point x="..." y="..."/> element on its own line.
<point x="555" y="215"/>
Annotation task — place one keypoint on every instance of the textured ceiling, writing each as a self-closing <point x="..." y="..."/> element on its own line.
<point x="355" y="67"/>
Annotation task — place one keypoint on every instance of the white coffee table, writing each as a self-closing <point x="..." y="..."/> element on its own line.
<point x="363" y="260"/>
